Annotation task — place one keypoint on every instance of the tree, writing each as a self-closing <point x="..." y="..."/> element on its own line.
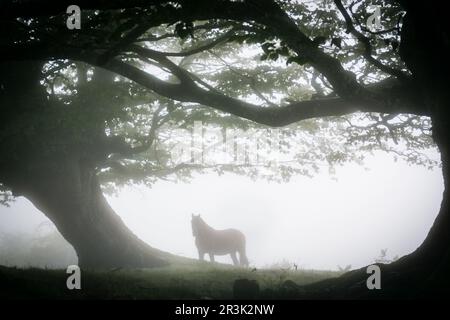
<point x="319" y="64"/>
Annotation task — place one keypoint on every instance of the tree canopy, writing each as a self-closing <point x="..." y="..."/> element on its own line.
<point x="121" y="88"/>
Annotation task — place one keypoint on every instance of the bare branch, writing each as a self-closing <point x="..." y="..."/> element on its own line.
<point x="367" y="46"/>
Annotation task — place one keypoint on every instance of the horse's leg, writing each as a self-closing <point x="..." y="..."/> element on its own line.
<point x="233" y="256"/>
<point x="243" y="258"/>
<point x="211" y="257"/>
<point x="201" y="255"/>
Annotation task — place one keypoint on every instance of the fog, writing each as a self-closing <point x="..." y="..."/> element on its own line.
<point x="324" y="222"/>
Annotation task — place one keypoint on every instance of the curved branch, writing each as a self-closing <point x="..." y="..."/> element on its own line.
<point x="188" y="91"/>
<point x="353" y="95"/>
<point x="219" y="40"/>
<point x="278" y="23"/>
<point x="367" y="46"/>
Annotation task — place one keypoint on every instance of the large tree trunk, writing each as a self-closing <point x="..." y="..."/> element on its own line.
<point x="425" y="48"/>
<point x="424" y="273"/>
<point x="433" y="256"/>
<point x="72" y="199"/>
<point x="52" y="162"/>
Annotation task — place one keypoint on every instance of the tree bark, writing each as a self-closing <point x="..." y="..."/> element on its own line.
<point x="53" y="164"/>
<point x="71" y="198"/>
<point x="421" y="274"/>
<point x="424" y="48"/>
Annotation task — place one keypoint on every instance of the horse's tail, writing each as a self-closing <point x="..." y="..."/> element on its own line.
<point x="242" y="255"/>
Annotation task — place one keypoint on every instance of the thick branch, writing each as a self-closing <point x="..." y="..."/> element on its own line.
<point x="272" y="116"/>
<point x="209" y="45"/>
<point x="121" y="149"/>
<point x="367" y="46"/>
<point x="280" y="25"/>
<point x="353" y="95"/>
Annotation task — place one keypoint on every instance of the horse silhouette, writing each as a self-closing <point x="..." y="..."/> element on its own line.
<point x="218" y="242"/>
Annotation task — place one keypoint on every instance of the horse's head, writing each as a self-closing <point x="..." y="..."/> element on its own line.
<point x="196" y="222"/>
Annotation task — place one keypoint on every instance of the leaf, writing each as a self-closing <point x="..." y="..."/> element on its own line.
<point x="299" y="60"/>
<point x="273" y="56"/>
<point x="284" y="51"/>
<point x="184" y="29"/>
<point x="267" y="47"/>
<point x="319" y="40"/>
<point x="337" y="42"/>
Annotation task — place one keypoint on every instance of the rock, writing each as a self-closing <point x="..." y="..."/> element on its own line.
<point x="245" y="289"/>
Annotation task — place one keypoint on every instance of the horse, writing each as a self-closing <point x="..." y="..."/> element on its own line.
<point x="218" y="242"/>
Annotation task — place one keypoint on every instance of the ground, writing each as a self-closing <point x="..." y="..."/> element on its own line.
<point x="181" y="280"/>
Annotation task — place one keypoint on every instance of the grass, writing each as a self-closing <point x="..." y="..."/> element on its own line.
<point x="182" y="280"/>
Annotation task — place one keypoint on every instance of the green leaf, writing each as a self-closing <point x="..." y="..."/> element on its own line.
<point x="337" y="42"/>
<point x="299" y="60"/>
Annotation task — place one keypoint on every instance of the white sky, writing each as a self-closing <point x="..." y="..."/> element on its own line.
<point x="317" y="223"/>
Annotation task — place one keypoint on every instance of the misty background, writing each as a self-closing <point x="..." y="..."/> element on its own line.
<point x="325" y="222"/>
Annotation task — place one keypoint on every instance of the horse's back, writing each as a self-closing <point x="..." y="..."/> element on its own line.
<point x="233" y="234"/>
<point x="226" y="241"/>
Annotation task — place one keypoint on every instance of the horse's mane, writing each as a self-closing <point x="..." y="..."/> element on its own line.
<point x="204" y="224"/>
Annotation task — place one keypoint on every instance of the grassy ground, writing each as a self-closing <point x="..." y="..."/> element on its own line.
<point x="182" y="280"/>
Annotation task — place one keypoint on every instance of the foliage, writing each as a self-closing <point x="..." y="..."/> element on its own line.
<point x="131" y="131"/>
<point x="5" y="196"/>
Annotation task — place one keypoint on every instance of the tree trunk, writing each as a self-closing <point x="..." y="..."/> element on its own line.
<point x="434" y="253"/>
<point x="72" y="199"/>
<point x="424" y="273"/>
<point x="424" y="49"/>
<point x="52" y="162"/>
